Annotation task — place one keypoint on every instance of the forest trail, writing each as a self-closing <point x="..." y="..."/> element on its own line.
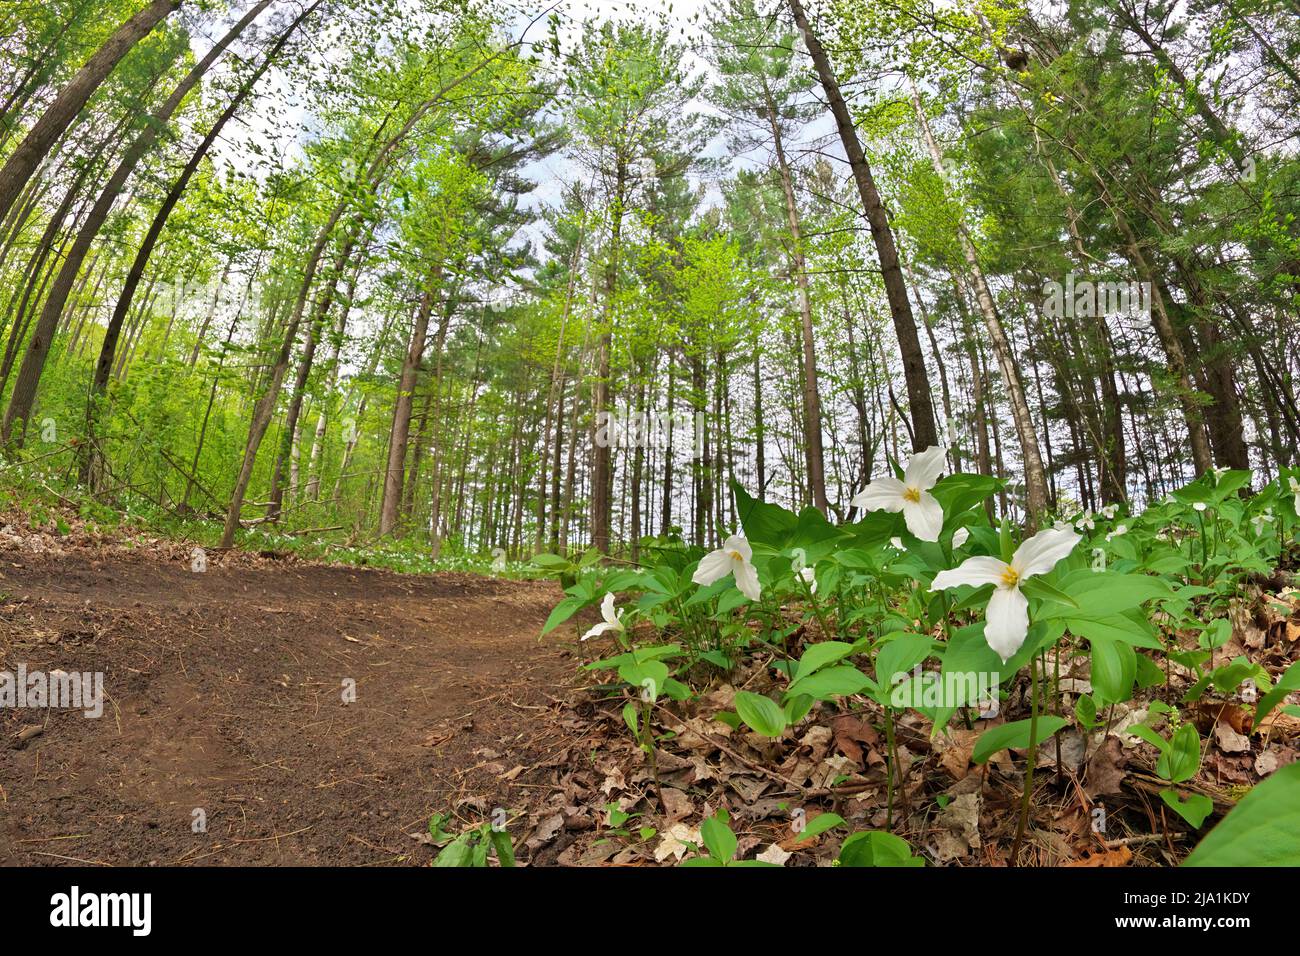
<point x="223" y="693"/>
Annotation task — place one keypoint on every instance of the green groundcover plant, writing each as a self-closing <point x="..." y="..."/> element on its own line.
<point x="925" y="591"/>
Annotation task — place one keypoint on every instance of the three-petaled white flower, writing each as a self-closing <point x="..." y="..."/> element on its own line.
<point x="1084" y="522"/>
<point x="1120" y="529"/>
<point x="611" y="622"/>
<point x="1108" y="512"/>
<point x="734" y="557"/>
<point x="1007" y="616"/>
<point x="1295" y="490"/>
<point x="921" y="511"/>
<point x="1261" y="519"/>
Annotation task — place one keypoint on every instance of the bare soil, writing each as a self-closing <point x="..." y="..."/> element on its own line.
<point x="225" y="694"/>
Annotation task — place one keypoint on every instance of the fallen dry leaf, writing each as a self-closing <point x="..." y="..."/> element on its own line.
<point x="1229" y="740"/>
<point x="677" y="805"/>
<point x="1120" y="856"/>
<point x="958" y="827"/>
<point x="545" y="831"/>
<point x="1106" y="770"/>
<point x="774" y="854"/>
<point x="852" y="734"/>
<point x="955" y="748"/>
<point x="1266" y="763"/>
<point x="674" y="842"/>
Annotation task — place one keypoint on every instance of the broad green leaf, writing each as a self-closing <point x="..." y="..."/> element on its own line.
<point x="1085" y="711"/>
<point x="505" y="851"/>
<point x="1015" y="735"/>
<point x="1104" y="594"/>
<point x="719" y="839"/>
<point x="877" y="848"/>
<point x="647" y="676"/>
<point x="1287" y="683"/>
<point x="1262" y="830"/>
<point x="1182" y="758"/>
<point x="562" y="612"/>
<point x="1193" y="808"/>
<point x="764" y="523"/>
<point x="458" y="853"/>
<point x="898" y="655"/>
<point x="1114" y="670"/>
<point x="967" y="652"/>
<point x="761" y="714"/>
<point x="838" y="681"/>
<point x="819" y="824"/>
<point x="1119" y="627"/>
<point x="821" y="654"/>
<point x="1037" y="587"/>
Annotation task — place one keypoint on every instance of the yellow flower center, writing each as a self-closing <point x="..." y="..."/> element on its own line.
<point x="736" y="556"/>
<point x="1010" y="577"/>
<point x="913" y="495"/>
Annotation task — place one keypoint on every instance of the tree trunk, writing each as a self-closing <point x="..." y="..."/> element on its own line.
<point x="63" y="283"/>
<point x="812" y="410"/>
<point x="920" y="404"/>
<point x="388" y="511"/>
<point x="602" y="479"/>
<point x="34" y="147"/>
<point x="1036" y="490"/>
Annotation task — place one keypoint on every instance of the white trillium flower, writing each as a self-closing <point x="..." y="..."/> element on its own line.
<point x="1007" y="616"/>
<point x="911" y="496"/>
<point x="1085" y="522"/>
<point x="611" y="622"/>
<point x="1120" y="529"/>
<point x="1264" y="517"/>
<point x="1198" y="505"/>
<point x="734" y="557"/>
<point x="960" y="537"/>
<point x="1108" y="512"/>
<point x="809" y="576"/>
<point x="1295" y="490"/>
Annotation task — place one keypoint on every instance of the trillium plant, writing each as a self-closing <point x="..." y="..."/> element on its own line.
<point x="734" y="558"/>
<point x="1007" y="613"/>
<point x="910" y="494"/>
<point x="611" y="620"/>
<point x="926" y="608"/>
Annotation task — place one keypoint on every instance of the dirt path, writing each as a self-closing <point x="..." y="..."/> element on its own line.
<point x="224" y="694"/>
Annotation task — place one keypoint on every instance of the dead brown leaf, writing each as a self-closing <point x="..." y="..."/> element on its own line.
<point x="1120" y="856"/>
<point x="1106" y="770"/>
<point x="852" y="734"/>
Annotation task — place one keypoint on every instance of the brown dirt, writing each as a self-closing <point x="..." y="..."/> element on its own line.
<point x="225" y="693"/>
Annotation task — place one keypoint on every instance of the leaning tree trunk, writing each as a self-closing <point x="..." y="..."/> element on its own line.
<point x="57" y="297"/>
<point x="921" y="406"/>
<point x="24" y="160"/>
<point x="103" y="367"/>
<point x="1036" y="491"/>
